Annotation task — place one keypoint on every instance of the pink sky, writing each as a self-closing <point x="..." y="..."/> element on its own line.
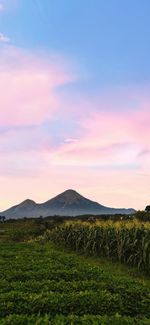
<point x="103" y="151"/>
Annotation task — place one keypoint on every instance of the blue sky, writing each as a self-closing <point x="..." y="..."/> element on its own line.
<point x="75" y="103"/>
<point x="109" y="38"/>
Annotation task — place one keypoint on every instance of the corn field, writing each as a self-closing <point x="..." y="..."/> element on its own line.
<point x="127" y="243"/>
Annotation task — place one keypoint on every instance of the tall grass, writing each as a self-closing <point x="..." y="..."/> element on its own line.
<point x="126" y="242"/>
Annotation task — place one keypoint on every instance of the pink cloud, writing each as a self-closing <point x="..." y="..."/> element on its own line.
<point x="108" y="140"/>
<point x="4" y="38"/>
<point x="108" y="158"/>
<point x="18" y="140"/>
<point x="27" y="86"/>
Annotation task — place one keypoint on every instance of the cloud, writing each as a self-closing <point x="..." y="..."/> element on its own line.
<point x="1" y="7"/>
<point x="28" y="84"/>
<point x="11" y="5"/>
<point x="4" y="38"/>
<point x="53" y="138"/>
<point x="70" y="140"/>
<point x="18" y="140"/>
<point x="108" y="141"/>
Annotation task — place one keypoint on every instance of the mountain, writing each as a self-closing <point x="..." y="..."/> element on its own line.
<point x="68" y="203"/>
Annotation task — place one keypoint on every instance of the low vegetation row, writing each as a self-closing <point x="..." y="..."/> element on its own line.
<point x="48" y="286"/>
<point x="72" y="320"/>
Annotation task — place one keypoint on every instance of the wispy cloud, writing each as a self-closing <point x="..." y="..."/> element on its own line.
<point x="10" y="5"/>
<point x="70" y="140"/>
<point x="100" y="149"/>
<point x="28" y="83"/>
<point x="4" y="38"/>
<point x="1" y="6"/>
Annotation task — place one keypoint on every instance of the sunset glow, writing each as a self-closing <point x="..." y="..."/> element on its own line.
<point x="73" y="116"/>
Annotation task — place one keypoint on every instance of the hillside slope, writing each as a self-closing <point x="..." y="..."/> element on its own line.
<point x="68" y="203"/>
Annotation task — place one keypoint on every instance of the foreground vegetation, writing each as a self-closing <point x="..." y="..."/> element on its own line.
<point x="126" y="242"/>
<point x="40" y="284"/>
<point x="25" y="229"/>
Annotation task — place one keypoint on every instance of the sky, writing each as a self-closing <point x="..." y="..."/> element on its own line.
<point x="75" y="100"/>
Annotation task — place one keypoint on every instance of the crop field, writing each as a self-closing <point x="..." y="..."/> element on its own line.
<point x="40" y="284"/>
<point x="126" y="242"/>
<point x="19" y="229"/>
<point x="24" y="229"/>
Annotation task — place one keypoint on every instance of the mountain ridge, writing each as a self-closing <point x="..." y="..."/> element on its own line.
<point x="68" y="203"/>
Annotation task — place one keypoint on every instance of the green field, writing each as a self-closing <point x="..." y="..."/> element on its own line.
<point x="21" y="229"/>
<point x="105" y="281"/>
<point x="41" y="284"/>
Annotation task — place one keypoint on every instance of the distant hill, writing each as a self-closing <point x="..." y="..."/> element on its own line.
<point x="68" y="203"/>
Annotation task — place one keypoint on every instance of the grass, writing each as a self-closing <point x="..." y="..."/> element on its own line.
<point x="115" y="268"/>
<point x="42" y="284"/>
<point x="48" y="284"/>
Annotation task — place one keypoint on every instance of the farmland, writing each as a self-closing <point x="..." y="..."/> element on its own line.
<point x="41" y="283"/>
<point x="126" y="242"/>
